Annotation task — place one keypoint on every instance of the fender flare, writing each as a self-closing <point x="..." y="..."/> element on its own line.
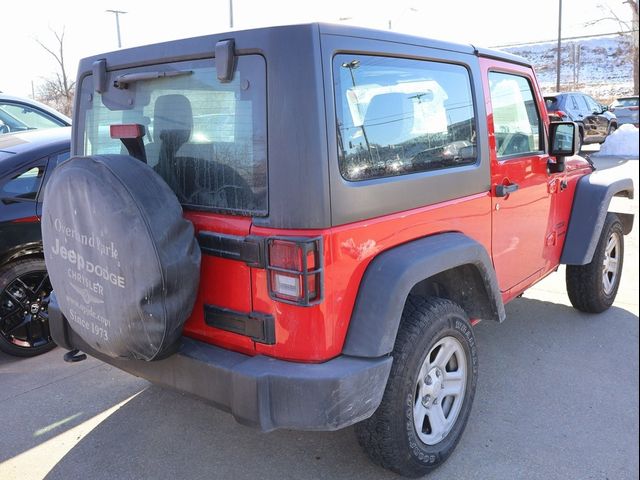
<point x="590" y="205"/>
<point x="391" y="276"/>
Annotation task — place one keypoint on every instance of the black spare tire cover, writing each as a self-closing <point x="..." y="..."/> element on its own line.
<point x="124" y="263"/>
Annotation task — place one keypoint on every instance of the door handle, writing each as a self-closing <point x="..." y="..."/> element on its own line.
<point x="504" y="190"/>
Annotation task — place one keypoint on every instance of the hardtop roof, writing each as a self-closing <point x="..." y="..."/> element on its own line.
<point x="199" y="47"/>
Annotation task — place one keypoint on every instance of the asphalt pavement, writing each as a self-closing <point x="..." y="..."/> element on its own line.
<point x="557" y="398"/>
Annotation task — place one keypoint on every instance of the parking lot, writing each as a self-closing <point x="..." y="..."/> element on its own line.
<point x="557" y="399"/>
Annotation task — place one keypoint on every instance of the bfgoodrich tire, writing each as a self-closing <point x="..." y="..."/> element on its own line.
<point x="430" y="391"/>
<point x="592" y="288"/>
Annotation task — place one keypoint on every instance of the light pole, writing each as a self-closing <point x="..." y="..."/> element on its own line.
<point x="558" y="60"/>
<point x="352" y="65"/>
<point x="230" y="13"/>
<point x="117" y="13"/>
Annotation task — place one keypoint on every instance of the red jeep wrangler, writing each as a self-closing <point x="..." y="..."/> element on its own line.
<point x="301" y="225"/>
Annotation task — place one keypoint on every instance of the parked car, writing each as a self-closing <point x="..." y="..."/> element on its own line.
<point x="26" y="162"/>
<point x="322" y="261"/>
<point x="594" y="120"/>
<point x="18" y="114"/>
<point x="627" y="110"/>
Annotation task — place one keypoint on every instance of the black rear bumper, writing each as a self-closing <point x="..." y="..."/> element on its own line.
<point x="259" y="391"/>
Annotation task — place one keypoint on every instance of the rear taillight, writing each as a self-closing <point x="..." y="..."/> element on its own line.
<point x="634" y="108"/>
<point x="294" y="269"/>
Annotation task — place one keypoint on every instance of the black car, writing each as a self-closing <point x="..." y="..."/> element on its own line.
<point x="594" y="120"/>
<point x="26" y="162"/>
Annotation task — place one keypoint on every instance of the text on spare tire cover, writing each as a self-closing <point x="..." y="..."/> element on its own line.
<point x="106" y="249"/>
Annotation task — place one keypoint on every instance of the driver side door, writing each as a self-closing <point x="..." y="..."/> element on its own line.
<point x="521" y="197"/>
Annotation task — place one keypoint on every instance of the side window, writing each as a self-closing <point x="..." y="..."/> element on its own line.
<point x="23" y="185"/>
<point x="397" y="116"/>
<point x="584" y="104"/>
<point x="574" y="104"/>
<point x="516" y="121"/>
<point x="593" y="105"/>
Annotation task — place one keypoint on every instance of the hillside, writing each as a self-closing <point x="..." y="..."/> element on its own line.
<point x="601" y="66"/>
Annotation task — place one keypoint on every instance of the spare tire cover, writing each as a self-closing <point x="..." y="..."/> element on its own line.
<point x="124" y="263"/>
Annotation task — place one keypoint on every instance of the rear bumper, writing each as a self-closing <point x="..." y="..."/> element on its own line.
<point x="259" y="391"/>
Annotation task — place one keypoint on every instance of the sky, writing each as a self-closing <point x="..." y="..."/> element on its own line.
<point x="90" y="30"/>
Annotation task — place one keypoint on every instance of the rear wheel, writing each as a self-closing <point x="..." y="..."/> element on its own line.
<point x="593" y="287"/>
<point x="430" y="390"/>
<point x="24" y="297"/>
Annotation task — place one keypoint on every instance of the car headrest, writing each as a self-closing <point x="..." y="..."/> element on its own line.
<point x="172" y="116"/>
<point x="389" y="118"/>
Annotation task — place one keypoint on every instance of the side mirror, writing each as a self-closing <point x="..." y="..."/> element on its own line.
<point x="563" y="140"/>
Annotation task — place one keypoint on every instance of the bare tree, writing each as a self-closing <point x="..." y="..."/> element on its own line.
<point x="629" y="29"/>
<point x="57" y="91"/>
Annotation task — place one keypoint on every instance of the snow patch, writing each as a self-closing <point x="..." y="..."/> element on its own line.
<point x="623" y="143"/>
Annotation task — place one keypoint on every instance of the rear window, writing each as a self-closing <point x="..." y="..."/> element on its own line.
<point x="207" y="139"/>
<point x="551" y="103"/>
<point x="626" y="102"/>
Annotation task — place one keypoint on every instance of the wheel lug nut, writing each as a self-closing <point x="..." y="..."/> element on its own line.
<point x="428" y="380"/>
<point x="425" y="400"/>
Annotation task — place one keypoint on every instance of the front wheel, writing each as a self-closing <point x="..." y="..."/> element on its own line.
<point x="430" y="390"/>
<point x="592" y="288"/>
<point x="610" y="129"/>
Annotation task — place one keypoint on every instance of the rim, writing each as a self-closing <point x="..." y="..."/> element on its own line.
<point x="24" y="321"/>
<point x="610" y="263"/>
<point x="440" y="389"/>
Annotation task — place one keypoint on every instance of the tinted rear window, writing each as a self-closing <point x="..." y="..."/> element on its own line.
<point x="626" y="102"/>
<point x="551" y="103"/>
<point x="207" y="139"/>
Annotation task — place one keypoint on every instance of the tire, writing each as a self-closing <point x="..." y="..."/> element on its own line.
<point x="610" y="129"/>
<point x="429" y="326"/>
<point x="24" y="335"/>
<point x="124" y="262"/>
<point x="591" y="289"/>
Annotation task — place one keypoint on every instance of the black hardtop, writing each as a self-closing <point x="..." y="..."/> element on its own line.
<point x="252" y="40"/>
<point x="301" y="117"/>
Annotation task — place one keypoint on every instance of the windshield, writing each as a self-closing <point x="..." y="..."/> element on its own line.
<point x="207" y="139"/>
<point x="19" y="117"/>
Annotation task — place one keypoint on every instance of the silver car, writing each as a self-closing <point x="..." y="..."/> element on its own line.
<point x="626" y="109"/>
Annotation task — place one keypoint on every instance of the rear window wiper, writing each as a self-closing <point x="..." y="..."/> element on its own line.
<point x="123" y="81"/>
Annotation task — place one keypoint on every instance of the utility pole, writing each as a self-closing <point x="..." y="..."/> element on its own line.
<point x="558" y="61"/>
<point x="117" y="13"/>
<point x="230" y="13"/>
